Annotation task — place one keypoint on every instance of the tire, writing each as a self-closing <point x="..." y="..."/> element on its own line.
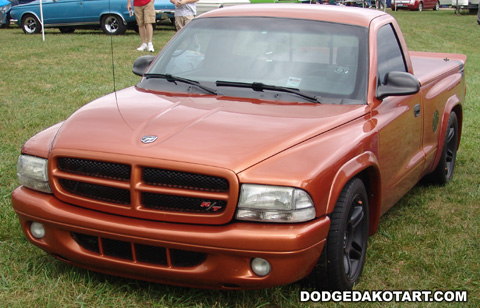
<point x="420" y="7"/>
<point x="443" y="173"/>
<point x="7" y="23"/>
<point x="30" y="24"/>
<point x="66" y="30"/>
<point x="113" y="25"/>
<point x="341" y="262"/>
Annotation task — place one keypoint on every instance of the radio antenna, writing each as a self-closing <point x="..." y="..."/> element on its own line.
<point x="113" y="61"/>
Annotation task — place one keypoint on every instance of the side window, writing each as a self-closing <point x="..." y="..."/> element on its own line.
<point x="390" y="56"/>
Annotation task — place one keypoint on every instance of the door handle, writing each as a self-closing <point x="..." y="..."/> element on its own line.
<point x="416" y="110"/>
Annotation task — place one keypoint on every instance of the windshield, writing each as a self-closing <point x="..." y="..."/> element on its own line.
<point x="318" y="59"/>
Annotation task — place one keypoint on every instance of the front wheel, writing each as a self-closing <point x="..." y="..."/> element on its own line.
<point x="113" y="25"/>
<point x="7" y="23"/>
<point x="341" y="262"/>
<point x="30" y="24"/>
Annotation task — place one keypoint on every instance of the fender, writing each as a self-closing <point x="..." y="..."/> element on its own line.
<point x="39" y="145"/>
<point x="350" y="169"/>
<point x="28" y="12"/>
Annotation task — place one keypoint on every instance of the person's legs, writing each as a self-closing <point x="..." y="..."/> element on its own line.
<point x="149" y="20"/>
<point x="149" y="36"/>
<point x="142" y="33"/>
<point x="139" y="16"/>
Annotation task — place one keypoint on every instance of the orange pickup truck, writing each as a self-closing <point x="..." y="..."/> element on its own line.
<point x="260" y="147"/>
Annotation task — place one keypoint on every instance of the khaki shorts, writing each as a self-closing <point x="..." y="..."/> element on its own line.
<point x="145" y="14"/>
<point x="181" y="21"/>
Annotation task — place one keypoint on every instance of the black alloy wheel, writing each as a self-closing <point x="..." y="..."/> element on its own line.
<point x="343" y="257"/>
<point x="443" y="173"/>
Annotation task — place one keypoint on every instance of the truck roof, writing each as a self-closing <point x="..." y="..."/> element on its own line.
<point x="330" y="13"/>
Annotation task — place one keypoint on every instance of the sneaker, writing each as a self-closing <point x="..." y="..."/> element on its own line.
<point x="150" y="47"/>
<point x="142" y="47"/>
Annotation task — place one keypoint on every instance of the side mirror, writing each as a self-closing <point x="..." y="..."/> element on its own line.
<point x="141" y="64"/>
<point x="398" y="83"/>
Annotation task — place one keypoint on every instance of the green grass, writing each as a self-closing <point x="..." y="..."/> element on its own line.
<point x="428" y="241"/>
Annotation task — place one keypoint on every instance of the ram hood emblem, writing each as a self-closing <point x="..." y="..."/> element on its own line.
<point x="149" y="139"/>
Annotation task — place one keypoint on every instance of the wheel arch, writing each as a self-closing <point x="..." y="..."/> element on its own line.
<point x="19" y="20"/>
<point x="106" y="14"/>
<point x="365" y="167"/>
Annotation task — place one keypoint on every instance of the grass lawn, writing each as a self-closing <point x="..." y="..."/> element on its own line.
<point x="428" y="241"/>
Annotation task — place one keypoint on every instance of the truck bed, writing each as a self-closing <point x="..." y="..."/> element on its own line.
<point x="431" y="66"/>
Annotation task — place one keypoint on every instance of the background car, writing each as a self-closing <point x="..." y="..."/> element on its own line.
<point x="5" y="6"/>
<point x="418" y="5"/>
<point x="208" y="5"/>
<point x="445" y="3"/>
<point x="471" y="5"/>
<point x="111" y="16"/>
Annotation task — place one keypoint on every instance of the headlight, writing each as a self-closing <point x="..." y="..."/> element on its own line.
<point x="4" y="9"/>
<point x="274" y="204"/>
<point x="32" y="173"/>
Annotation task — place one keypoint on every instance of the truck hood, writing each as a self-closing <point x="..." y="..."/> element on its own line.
<point x="213" y="131"/>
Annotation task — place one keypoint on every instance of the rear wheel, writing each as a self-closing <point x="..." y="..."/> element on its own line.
<point x="420" y="7"/>
<point x="443" y="173"/>
<point x="30" y="24"/>
<point x="113" y="25"/>
<point x="341" y="263"/>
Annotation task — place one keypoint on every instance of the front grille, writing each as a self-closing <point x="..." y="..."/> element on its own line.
<point x="184" y="180"/>
<point x="97" y="192"/>
<point x="141" y="191"/>
<point x="135" y="252"/>
<point x="100" y="169"/>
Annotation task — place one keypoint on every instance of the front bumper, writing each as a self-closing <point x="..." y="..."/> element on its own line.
<point x="404" y="5"/>
<point x="213" y="256"/>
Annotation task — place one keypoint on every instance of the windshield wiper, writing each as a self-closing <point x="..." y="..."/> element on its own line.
<point x="258" y="86"/>
<point x="174" y="79"/>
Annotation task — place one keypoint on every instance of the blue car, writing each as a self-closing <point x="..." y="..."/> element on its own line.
<point x="5" y="6"/>
<point x="111" y="16"/>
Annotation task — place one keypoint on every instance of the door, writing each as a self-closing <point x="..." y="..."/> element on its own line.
<point x="62" y="12"/>
<point x="400" y="123"/>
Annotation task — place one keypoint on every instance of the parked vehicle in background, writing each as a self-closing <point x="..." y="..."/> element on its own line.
<point x="111" y="16"/>
<point x="5" y="6"/>
<point x="445" y="3"/>
<point x="415" y="5"/>
<point x="261" y="146"/>
<point x="471" y="5"/>
<point x="208" y="5"/>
